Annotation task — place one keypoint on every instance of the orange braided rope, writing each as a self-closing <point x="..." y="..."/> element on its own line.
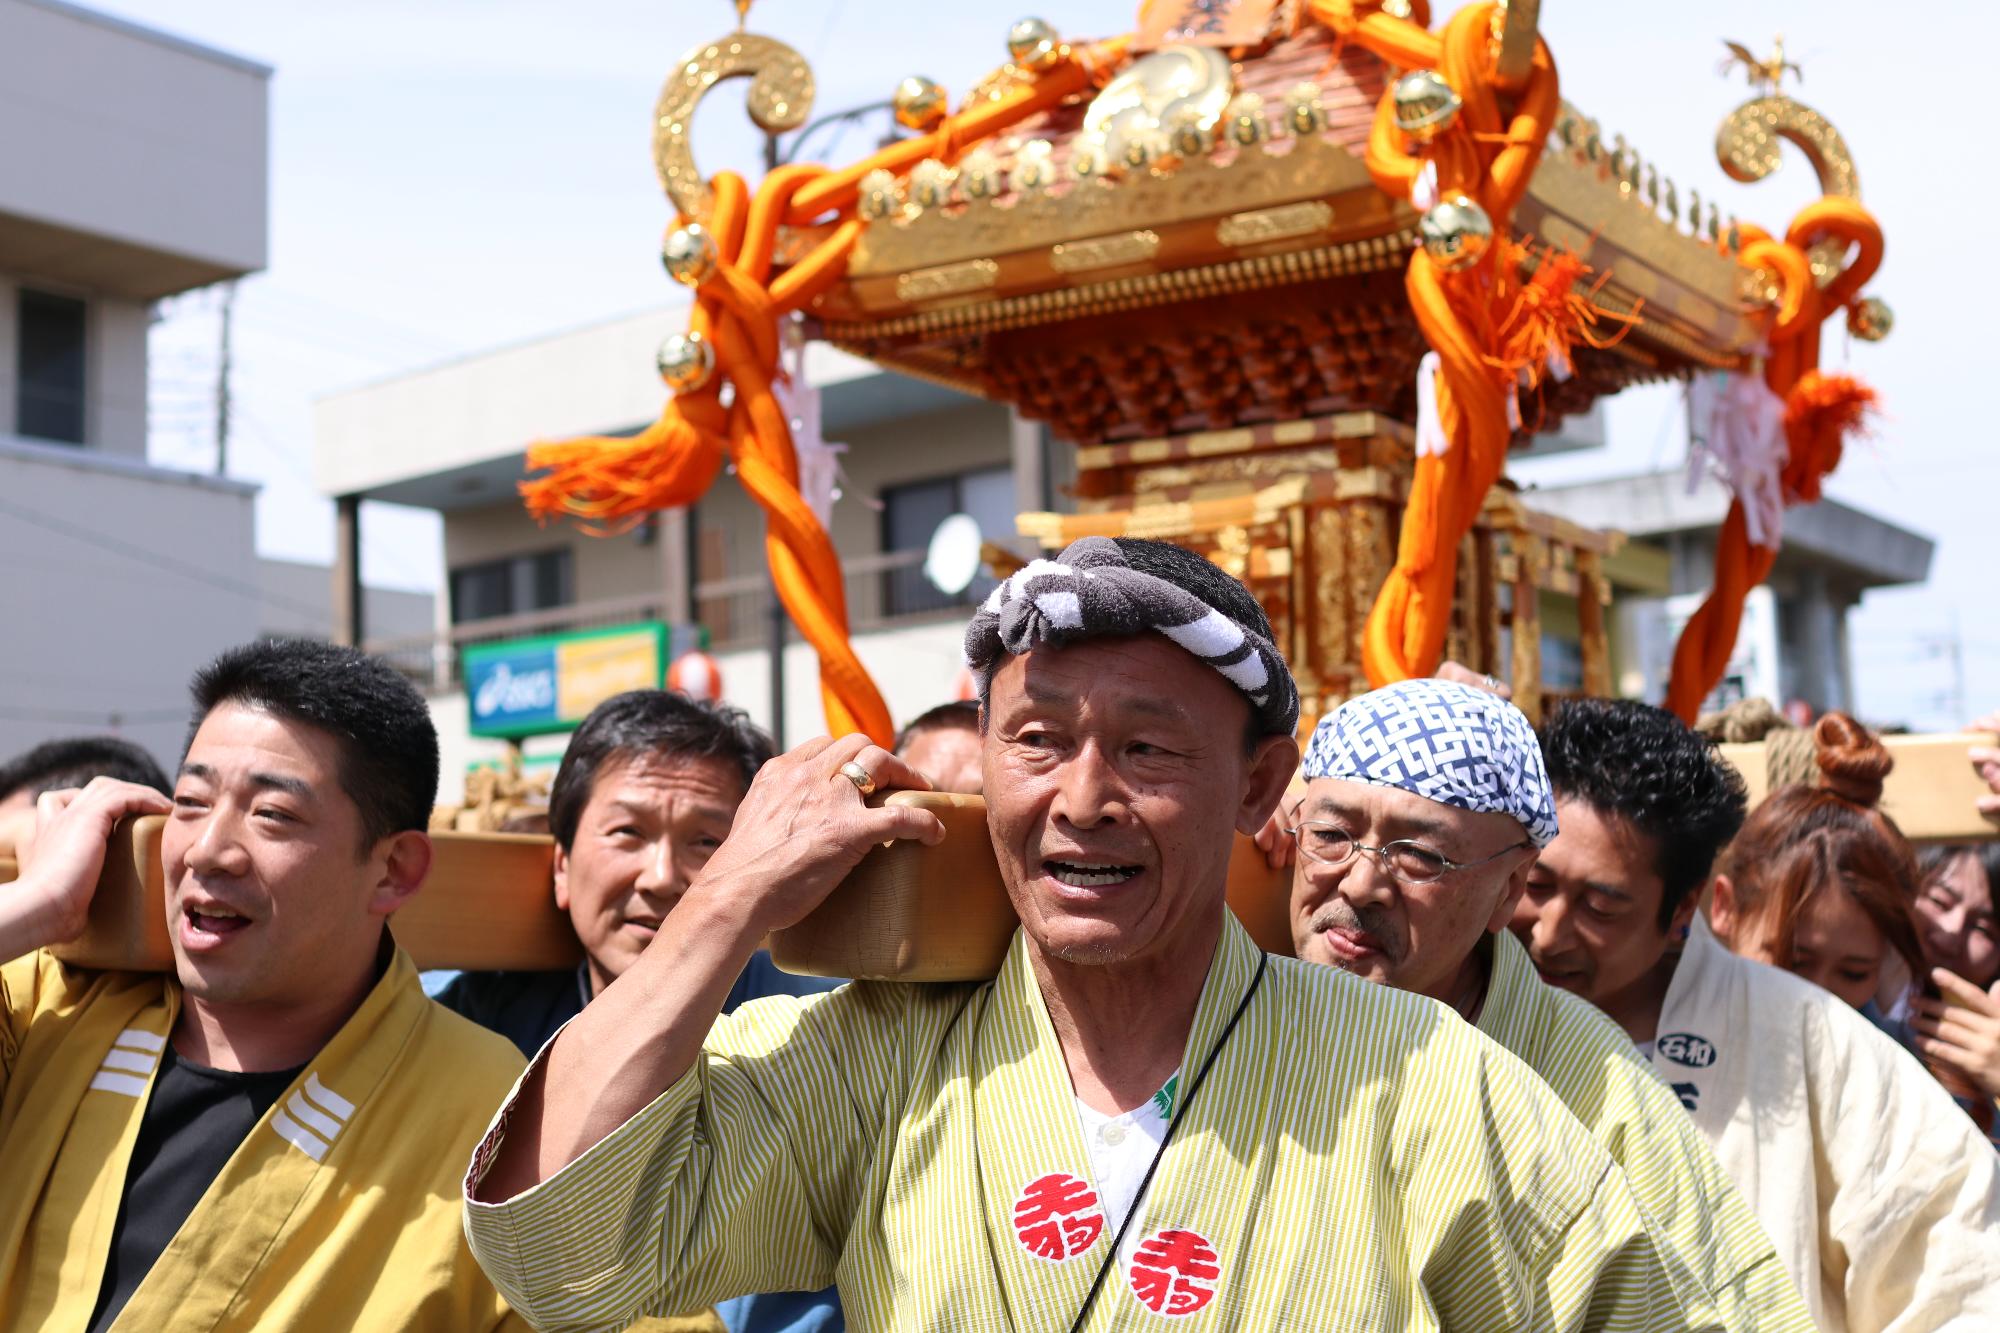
<point x="1485" y="325"/>
<point x="1821" y="411"/>
<point x="612" y="481"/>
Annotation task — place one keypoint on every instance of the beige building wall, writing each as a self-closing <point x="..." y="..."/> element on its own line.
<point x="125" y="580"/>
<point x="155" y="147"/>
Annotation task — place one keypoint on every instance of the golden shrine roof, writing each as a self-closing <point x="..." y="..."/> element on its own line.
<point x="1036" y="270"/>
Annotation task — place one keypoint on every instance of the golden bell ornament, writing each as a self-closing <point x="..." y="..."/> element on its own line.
<point x="1870" y="319"/>
<point x="1425" y="104"/>
<point x="920" y="103"/>
<point x="980" y="174"/>
<point x="930" y="183"/>
<point x="1034" y="166"/>
<point x="1034" y="44"/>
<point x="1456" y="233"/>
<point x="686" y="360"/>
<point x="1188" y="133"/>
<point x="878" y="195"/>
<point x="689" y="254"/>
<point x="1245" y="117"/>
<point x="1304" y="112"/>
<point x="1089" y="157"/>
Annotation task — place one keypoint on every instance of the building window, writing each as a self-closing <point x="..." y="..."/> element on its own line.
<point x="50" y="368"/>
<point x="512" y="586"/>
<point x="912" y="512"/>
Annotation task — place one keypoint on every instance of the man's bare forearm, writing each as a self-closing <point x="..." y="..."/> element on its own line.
<point x="631" y="1043"/>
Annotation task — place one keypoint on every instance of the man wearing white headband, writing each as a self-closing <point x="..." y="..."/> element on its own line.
<point x="1141" y="1117"/>
<point x="1425" y="806"/>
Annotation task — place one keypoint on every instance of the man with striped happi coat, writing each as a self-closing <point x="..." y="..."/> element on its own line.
<point x="1142" y="1117"/>
<point x="1424" y="809"/>
<point x="267" y="1136"/>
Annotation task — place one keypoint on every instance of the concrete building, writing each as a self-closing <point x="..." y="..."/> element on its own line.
<point x="132" y="168"/>
<point x="1794" y="642"/>
<point x="451" y="439"/>
<point x="297" y="602"/>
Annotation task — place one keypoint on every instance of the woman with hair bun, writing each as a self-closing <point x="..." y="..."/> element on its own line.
<point x="1824" y="885"/>
<point x="1820" y="882"/>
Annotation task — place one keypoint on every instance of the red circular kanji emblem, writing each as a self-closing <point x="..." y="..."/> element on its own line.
<point x="1175" y="1272"/>
<point x="1057" y="1217"/>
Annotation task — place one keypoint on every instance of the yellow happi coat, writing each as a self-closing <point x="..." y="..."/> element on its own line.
<point x="1357" y="1159"/>
<point x="338" y="1211"/>
<point x="1721" y="1260"/>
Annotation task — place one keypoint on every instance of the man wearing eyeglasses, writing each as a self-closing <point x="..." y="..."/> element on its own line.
<point x="1424" y="809"/>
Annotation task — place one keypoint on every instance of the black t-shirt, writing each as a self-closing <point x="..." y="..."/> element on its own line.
<point x="195" y="1120"/>
<point x="524" y="1007"/>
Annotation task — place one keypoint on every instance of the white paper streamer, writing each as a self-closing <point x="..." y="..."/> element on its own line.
<point x="1431" y="438"/>
<point x="1739" y="438"/>
<point x="819" y="460"/>
<point x="1424" y="189"/>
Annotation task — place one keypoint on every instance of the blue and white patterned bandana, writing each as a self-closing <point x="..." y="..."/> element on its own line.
<point x="1445" y="742"/>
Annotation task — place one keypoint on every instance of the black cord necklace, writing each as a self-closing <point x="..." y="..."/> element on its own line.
<point x="1166" y="1141"/>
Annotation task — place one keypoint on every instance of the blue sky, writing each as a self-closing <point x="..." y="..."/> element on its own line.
<point x="451" y="175"/>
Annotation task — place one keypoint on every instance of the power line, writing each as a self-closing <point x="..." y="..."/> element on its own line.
<point x="89" y="717"/>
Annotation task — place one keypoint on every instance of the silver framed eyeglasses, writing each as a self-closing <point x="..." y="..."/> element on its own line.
<point x="1407" y="862"/>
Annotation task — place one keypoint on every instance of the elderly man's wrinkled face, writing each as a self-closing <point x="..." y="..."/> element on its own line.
<point x="1116" y="778"/>
<point x="1359" y="914"/>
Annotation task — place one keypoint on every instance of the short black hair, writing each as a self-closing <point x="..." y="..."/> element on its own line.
<point x="1213" y="585"/>
<point x="388" y="744"/>
<point x="960" y="713"/>
<point x="1644" y="765"/>
<point x="74" y="760"/>
<point x="659" y="723"/>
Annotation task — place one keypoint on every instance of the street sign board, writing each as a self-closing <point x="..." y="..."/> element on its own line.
<point x="531" y="687"/>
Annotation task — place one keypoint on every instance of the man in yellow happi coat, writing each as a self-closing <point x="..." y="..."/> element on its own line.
<point x="1142" y="1116"/>
<point x="267" y="1137"/>
<point x="1425" y="807"/>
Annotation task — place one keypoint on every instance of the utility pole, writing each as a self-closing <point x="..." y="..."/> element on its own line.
<point x="222" y="385"/>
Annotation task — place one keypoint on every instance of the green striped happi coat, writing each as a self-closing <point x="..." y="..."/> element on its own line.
<point x="1723" y="1264"/>
<point x="1358" y="1158"/>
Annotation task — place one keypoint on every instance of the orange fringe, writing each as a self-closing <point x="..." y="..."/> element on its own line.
<point x="1821" y="413"/>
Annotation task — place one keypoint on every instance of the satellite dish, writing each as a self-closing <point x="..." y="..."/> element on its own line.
<point x="951" y="562"/>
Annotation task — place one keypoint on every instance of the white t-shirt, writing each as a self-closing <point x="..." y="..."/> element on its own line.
<point x="1121" y="1148"/>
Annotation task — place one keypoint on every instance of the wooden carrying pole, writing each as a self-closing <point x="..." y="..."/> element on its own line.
<point x="907" y="913"/>
<point x="1932" y="793"/>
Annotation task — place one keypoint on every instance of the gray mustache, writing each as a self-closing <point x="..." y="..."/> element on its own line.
<point x="1375" y="922"/>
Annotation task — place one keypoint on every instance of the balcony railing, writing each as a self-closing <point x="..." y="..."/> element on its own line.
<point x="883" y="591"/>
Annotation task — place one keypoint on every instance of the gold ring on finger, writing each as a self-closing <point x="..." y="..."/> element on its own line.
<point x="863" y="780"/>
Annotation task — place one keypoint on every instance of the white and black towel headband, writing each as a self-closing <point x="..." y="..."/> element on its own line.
<point x="1089" y="591"/>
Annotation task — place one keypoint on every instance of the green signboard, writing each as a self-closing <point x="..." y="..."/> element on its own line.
<point x="532" y="687"/>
